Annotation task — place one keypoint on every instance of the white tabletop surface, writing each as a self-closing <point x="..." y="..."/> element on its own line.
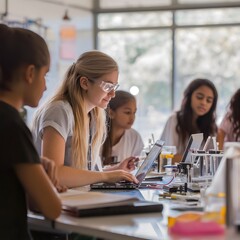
<point x="151" y="226"/>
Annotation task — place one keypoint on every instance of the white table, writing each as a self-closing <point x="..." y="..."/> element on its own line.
<point x="120" y="227"/>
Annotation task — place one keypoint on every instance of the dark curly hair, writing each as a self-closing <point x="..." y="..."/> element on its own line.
<point x="234" y="114"/>
<point x="206" y="123"/>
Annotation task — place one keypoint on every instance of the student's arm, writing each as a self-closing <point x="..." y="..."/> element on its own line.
<point x="127" y="164"/>
<point x="51" y="170"/>
<point x="39" y="189"/>
<point x="53" y="147"/>
<point x="223" y="129"/>
<point x="220" y="138"/>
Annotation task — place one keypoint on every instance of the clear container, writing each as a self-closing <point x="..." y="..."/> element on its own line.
<point x="215" y="207"/>
<point x="227" y="181"/>
<point x="232" y="180"/>
<point x="166" y="157"/>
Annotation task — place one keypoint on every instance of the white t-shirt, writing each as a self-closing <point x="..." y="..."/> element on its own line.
<point x="58" y="115"/>
<point x="130" y="144"/>
<point x="170" y="135"/>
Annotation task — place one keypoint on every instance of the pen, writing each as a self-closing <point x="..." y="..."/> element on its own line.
<point x="169" y="195"/>
<point x="179" y="197"/>
<point x="184" y="197"/>
<point x="153" y="138"/>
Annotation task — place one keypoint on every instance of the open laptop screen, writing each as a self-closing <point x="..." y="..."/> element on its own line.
<point x="140" y="174"/>
<point x="194" y="143"/>
<point x="148" y="162"/>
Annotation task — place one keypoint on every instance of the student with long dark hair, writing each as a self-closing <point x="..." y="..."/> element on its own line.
<point x="122" y="140"/>
<point x="196" y="115"/>
<point x="24" y="61"/>
<point x="229" y="129"/>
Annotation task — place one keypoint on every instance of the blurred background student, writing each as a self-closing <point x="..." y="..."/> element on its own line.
<point x="229" y="129"/>
<point x="122" y="140"/>
<point x="70" y="128"/>
<point x="196" y="115"/>
<point x="24" y="62"/>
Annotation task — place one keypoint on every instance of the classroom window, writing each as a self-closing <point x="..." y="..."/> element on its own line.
<point x="131" y="20"/>
<point x="213" y="53"/>
<point x="140" y="56"/>
<point x="208" y="16"/>
<point x="205" y="44"/>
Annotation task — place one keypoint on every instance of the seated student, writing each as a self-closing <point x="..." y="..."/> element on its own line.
<point x="122" y="140"/>
<point x="70" y="128"/>
<point x="229" y="129"/>
<point x="24" y="61"/>
<point x="197" y="115"/>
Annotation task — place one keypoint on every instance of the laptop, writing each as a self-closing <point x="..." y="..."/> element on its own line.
<point x="140" y="174"/>
<point x="194" y="143"/>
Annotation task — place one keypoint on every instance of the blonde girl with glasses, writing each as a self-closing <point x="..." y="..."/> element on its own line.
<point x="71" y="127"/>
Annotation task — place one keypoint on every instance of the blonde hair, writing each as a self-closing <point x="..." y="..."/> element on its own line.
<point x="93" y="65"/>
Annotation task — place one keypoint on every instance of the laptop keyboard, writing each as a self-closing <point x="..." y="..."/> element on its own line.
<point x="119" y="185"/>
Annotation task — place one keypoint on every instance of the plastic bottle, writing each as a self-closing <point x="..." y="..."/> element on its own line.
<point x="226" y="182"/>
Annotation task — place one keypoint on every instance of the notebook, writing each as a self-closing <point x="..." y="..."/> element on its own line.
<point x="88" y="204"/>
<point x="131" y="208"/>
<point x="140" y="174"/>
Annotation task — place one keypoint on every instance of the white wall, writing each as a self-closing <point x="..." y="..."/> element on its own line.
<point x="51" y="17"/>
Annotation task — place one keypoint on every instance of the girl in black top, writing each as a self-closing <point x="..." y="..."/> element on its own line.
<point x="24" y="61"/>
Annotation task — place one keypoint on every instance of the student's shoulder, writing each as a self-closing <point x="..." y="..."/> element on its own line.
<point x="173" y="114"/>
<point x="172" y="117"/>
<point x="132" y="136"/>
<point x="14" y="126"/>
<point x="225" y="120"/>
<point x="9" y="116"/>
<point x="133" y="133"/>
<point x="59" y="106"/>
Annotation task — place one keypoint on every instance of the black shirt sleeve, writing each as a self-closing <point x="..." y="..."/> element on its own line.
<point x="16" y="143"/>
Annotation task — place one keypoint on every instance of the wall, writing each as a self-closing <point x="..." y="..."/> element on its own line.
<point x="50" y="16"/>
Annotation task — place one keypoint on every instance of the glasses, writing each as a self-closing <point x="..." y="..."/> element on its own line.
<point x="106" y="86"/>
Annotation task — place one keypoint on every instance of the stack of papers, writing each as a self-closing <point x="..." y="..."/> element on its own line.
<point x="85" y="204"/>
<point x="87" y="200"/>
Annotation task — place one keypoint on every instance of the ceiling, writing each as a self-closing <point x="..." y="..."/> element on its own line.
<point x="87" y="5"/>
<point x="50" y="10"/>
<point x="138" y="5"/>
<point x="18" y="10"/>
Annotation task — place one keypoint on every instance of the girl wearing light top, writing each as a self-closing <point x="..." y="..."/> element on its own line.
<point x="24" y="61"/>
<point x="197" y="115"/>
<point x="122" y="140"/>
<point x="229" y="129"/>
<point x="70" y="128"/>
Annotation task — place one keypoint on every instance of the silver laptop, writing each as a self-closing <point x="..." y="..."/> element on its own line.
<point x="194" y="143"/>
<point x="140" y="174"/>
